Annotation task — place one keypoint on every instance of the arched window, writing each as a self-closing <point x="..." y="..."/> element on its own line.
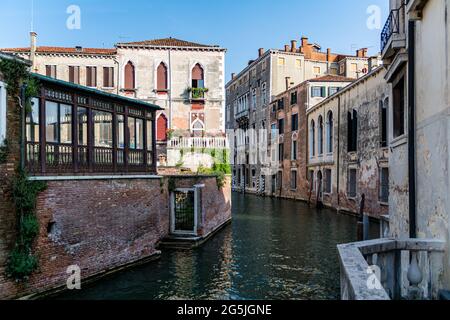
<point x="198" y="128"/>
<point x="312" y="139"/>
<point x="161" y="76"/>
<point x="330" y="132"/>
<point x="161" y="128"/>
<point x="198" y="77"/>
<point x="320" y="135"/>
<point x="130" y="83"/>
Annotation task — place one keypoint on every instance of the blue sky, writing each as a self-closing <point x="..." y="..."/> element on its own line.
<point x="240" y="26"/>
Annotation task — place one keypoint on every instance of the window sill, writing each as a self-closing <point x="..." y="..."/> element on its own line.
<point x="383" y="204"/>
<point x="399" y="141"/>
<point x="107" y="88"/>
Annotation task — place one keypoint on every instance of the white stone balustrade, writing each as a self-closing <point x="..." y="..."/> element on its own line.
<point x="398" y="278"/>
<point x="198" y="143"/>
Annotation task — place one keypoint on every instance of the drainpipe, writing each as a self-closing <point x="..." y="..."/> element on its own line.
<point x="338" y="153"/>
<point x="117" y="76"/>
<point x="411" y="131"/>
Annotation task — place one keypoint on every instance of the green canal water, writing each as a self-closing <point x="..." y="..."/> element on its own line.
<point x="274" y="249"/>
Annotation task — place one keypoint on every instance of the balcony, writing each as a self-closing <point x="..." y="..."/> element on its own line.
<point x="199" y="143"/>
<point x="242" y="116"/>
<point x="386" y="269"/>
<point x="393" y="35"/>
<point x="197" y="94"/>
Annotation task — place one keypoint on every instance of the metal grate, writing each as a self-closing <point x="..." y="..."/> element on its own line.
<point x="184" y="211"/>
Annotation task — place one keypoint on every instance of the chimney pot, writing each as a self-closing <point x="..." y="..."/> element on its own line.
<point x="304" y="41"/>
<point x="233" y="75"/>
<point x="260" y="52"/>
<point x="294" y="45"/>
<point x="286" y="48"/>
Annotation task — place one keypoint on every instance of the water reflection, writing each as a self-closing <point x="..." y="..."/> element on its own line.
<point x="274" y="249"/>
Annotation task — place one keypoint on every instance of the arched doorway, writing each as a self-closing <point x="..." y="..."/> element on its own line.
<point x="319" y="190"/>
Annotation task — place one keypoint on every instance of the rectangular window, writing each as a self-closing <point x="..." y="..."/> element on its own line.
<point x="298" y="63"/>
<point x="58" y="122"/>
<point x="353" y="67"/>
<point x="108" y="77"/>
<point x="293" y="179"/>
<point x="294" y="150"/>
<point x="50" y="71"/>
<point x="352" y="131"/>
<point x="399" y="109"/>
<point x="120" y="132"/>
<point x="280" y="103"/>
<point x="149" y="135"/>
<point x="384" y="122"/>
<point x="334" y="70"/>
<point x="327" y="184"/>
<point x="91" y="76"/>
<point x="351" y="183"/>
<point x="384" y="185"/>
<point x="103" y="123"/>
<point x="136" y="131"/>
<point x="82" y="116"/>
<point x="279" y="180"/>
<point x="2" y="112"/>
<point x="280" y="152"/>
<point x="281" y="61"/>
<point x="333" y="90"/>
<point x="281" y="126"/>
<point x="32" y="122"/>
<point x="294" y="122"/>
<point x="74" y="74"/>
<point x="316" y="70"/>
<point x="294" y="98"/>
<point x="318" y="92"/>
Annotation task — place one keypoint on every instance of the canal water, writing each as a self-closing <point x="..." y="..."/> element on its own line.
<point x="274" y="249"/>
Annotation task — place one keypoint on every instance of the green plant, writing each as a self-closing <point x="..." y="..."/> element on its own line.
<point x="21" y="261"/>
<point x="172" y="184"/>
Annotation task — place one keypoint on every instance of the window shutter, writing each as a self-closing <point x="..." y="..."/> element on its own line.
<point x="324" y="92"/>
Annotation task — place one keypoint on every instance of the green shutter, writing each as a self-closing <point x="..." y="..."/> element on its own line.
<point x="324" y="92"/>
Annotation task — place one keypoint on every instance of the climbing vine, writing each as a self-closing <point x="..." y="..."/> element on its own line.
<point x="22" y="262"/>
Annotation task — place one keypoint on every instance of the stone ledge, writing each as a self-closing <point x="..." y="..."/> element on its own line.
<point x="104" y="177"/>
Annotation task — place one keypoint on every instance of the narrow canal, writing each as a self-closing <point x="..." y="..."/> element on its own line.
<point x="274" y="249"/>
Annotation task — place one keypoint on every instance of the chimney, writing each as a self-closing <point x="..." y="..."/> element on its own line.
<point x="233" y="75"/>
<point x="260" y="52"/>
<point x="304" y="41"/>
<point x="286" y="48"/>
<point x="288" y="83"/>
<point x="361" y="53"/>
<point x="33" y="41"/>
<point x="79" y="48"/>
<point x="294" y="45"/>
<point x="328" y="54"/>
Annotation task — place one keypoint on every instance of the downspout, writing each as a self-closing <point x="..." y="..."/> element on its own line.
<point x="338" y="153"/>
<point x="118" y="76"/>
<point x="411" y="131"/>
<point x="170" y="89"/>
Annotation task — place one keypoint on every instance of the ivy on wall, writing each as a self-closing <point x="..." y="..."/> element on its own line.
<point x="22" y="262"/>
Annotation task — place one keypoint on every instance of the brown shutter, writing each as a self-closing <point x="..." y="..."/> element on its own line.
<point x="94" y="76"/>
<point x="48" y="71"/>
<point x="106" y="83"/>
<point x="161" y="128"/>
<point x="88" y="77"/>
<point x="162" y="77"/>
<point x="72" y="74"/>
<point x="129" y="76"/>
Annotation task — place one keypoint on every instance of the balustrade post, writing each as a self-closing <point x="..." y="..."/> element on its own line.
<point x="415" y="277"/>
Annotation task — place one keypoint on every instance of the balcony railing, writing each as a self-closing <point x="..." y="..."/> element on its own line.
<point x="386" y="269"/>
<point x="391" y="27"/>
<point x="198" y="143"/>
<point x="198" y="93"/>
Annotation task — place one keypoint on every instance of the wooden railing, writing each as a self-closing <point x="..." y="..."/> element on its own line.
<point x="407" y="269"/>
<point x="198" y="143"/>
<point x="69" y="159"/>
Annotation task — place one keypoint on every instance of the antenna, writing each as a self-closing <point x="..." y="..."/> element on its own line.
<point x="32" y="15"/>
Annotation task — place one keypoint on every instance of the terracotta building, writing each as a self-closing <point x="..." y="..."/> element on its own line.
<point x="249" y="93"/>
<point x="185" y="79"/>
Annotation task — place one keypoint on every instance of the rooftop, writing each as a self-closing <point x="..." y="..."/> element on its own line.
<point x="74" y="50"/>
<point x="331" y="78"/>
<point x="168" y="42"/>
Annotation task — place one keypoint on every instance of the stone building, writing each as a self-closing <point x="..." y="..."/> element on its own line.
<point x="105" y="206"/>
<point x="413" y="258"/>
<point x="186" y="79"/>
<point x="348" y="154"/>
<point x="249" y="93"/>
<point x="289" y="124"/>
